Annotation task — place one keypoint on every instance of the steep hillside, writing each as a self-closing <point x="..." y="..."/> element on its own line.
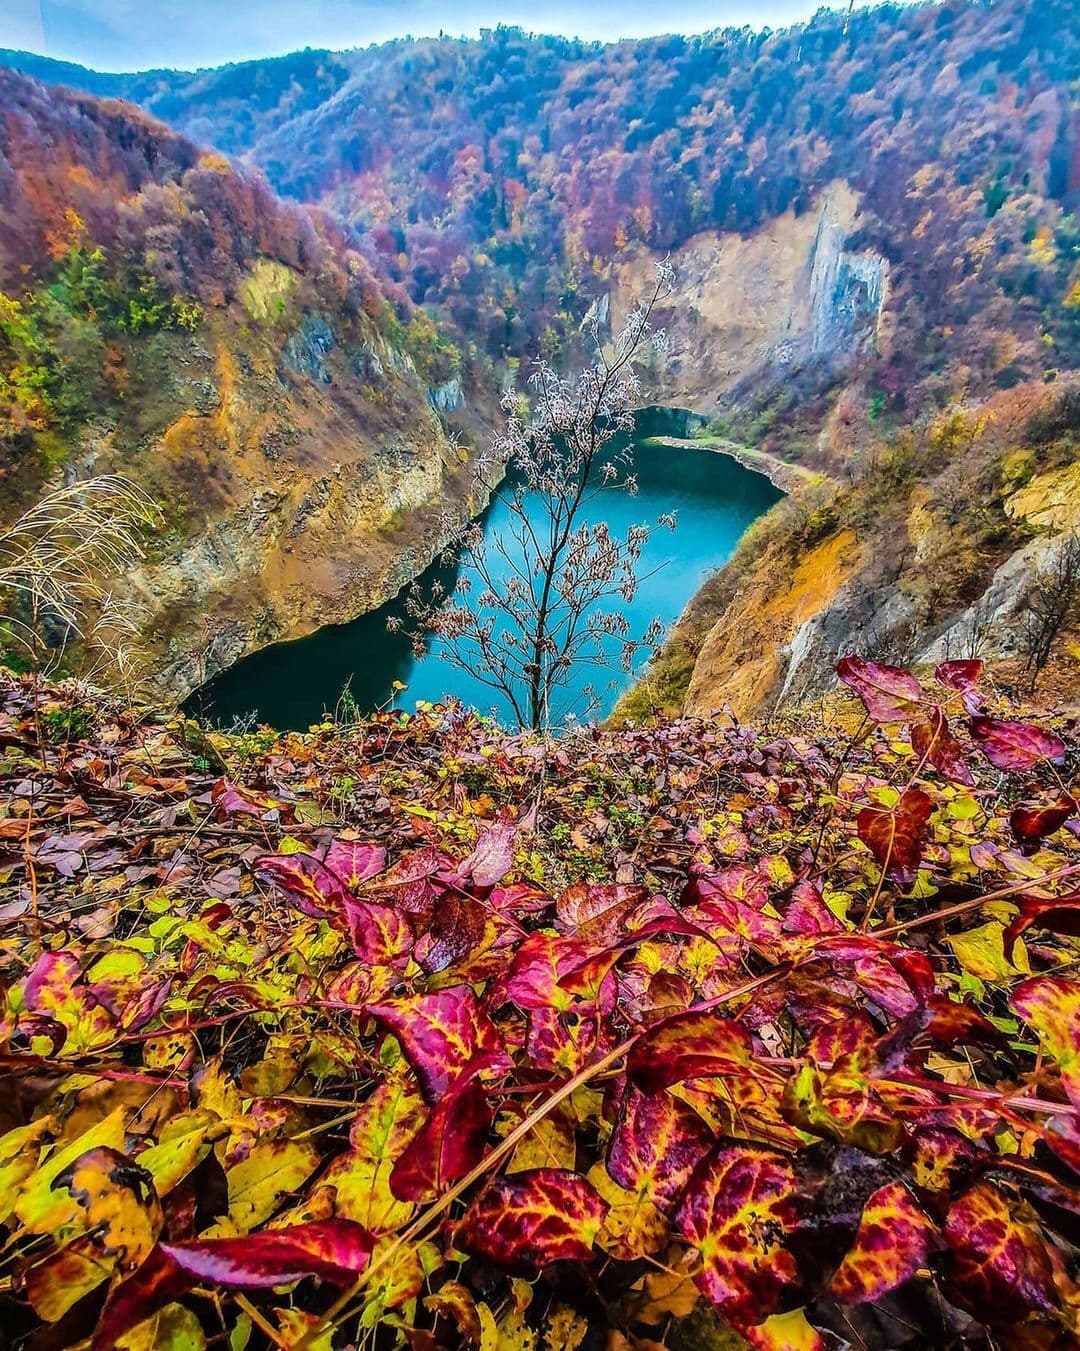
<point x="957" y="538"/>
<point x="164" y="315"/>
<point x="499" y="177"/>
<point x="872" y="222"/>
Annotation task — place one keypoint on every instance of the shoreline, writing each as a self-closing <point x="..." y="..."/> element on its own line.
<point x="780" y="473"/>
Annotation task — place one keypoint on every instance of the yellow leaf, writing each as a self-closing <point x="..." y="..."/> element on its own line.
<point x="565" y="1329"/>
<point x="381" y="1130"/>
<point x="786" y="1332"/>
<point x="122" y="1208"/>
<point x="173" y="1328"/>
<point x="296" y="1327"/>
<point x="980" y="951"/>
<point x="43" y="1210"/>
<point x="183" y="1145"/>
<point x="20" y="1150"/>
<point x="61" y="1280"/>
<point x="550" y="1144"/>
<point x="632" y="1226"/>
<point x="258" y="1183"/>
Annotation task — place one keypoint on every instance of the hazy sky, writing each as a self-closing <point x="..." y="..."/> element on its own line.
<point x="135" y="34"/>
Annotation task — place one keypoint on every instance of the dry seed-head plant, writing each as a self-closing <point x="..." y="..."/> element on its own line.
<point x="56" y="562"/>
<point x="546" y="597"/>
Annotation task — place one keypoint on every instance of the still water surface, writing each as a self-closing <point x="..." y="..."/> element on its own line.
<point x="292" y="685"/>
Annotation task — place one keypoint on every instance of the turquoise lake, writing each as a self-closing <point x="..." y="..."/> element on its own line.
<point x="292" y="685"/>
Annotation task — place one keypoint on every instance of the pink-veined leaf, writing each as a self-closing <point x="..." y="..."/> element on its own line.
<point x="354" y="861"/>
<point x="528" y="1220"/>
<point x="1015" y="746"/>
<point x="442" y="1034"/>
<point x="888" y="693"/>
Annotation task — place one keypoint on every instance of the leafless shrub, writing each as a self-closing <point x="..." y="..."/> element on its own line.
<point x="545" y="599"/>
<point x="1051" y="604"/>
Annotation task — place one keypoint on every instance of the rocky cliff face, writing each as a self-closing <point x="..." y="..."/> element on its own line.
<point x="294" y="509"/>
<point x="788" y="302"/>
<point x="165" y="317"/>
<point x="938" y="552"/>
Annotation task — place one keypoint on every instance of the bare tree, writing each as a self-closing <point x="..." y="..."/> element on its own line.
<point x="1050" y="605"/>
<point x="546" y="597"/>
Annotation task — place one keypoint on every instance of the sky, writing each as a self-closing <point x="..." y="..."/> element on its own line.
<point x="137" y="34"/>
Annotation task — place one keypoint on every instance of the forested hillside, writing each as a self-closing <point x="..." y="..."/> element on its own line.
<point x="496" y="176"/>
<point x="164" y="315"/>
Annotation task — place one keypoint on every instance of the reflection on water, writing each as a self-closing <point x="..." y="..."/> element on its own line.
<point x="292" y="685"/>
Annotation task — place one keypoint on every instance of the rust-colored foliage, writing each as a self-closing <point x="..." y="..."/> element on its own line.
<point x="800" y="1041"/>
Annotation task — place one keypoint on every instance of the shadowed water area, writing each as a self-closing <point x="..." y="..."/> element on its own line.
<point x="292" y="685"/>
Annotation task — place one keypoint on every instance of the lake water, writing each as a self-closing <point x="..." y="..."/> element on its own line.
<point x="292" y="685"/>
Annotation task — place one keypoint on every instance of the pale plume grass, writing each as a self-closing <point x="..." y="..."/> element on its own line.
<point x="58" y="562"/>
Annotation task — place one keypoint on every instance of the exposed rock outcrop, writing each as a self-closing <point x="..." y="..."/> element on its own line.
<point x="789" y="301"/>
<point x="936" y="554"/>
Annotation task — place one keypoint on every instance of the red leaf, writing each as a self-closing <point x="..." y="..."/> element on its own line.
<point x="896" y="835"/>
<point x="595" y="914"/>
<point x="231" y="800"/>
<point x="897" y="979"/>
<point x="532" y="980"/>
<point x="334" y="1250"/>
<point x="448" y="1145"/>
<point x="380" y="935"/>
<point x="959" y="675"/>
<point x="1015" y="746"/>
<point x="933" y="742"/>
<point x="699" y="1043"/>
<point x="1031" y="822"/>
<point x="807" y="913"/>
<point x="888" y="693"/>
<point x="656" y="1145"/>
<point x="999" y="1266"/>
<point x="528" y="1220"/>
<point x="1060" y="915"/>
<point x="442" y="1034"/>
<point x="354" y="862"/>
<point x="891" y="1244"/>
<point x="963" y="676"/>
<point x="739" y="1206"/>
<point x="1051" y="1004"/>
<point x="313" y="887"/>
<point x="156" y="1283"/>
<point x="457" y="927"/>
